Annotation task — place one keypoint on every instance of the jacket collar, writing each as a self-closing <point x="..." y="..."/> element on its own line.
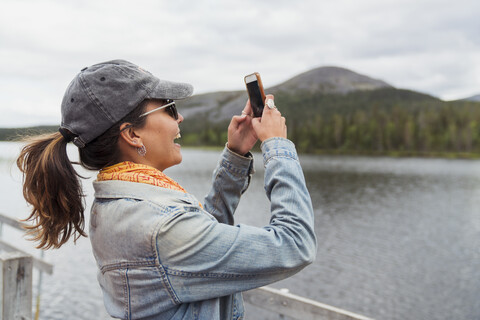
<point x="115" y="189"/>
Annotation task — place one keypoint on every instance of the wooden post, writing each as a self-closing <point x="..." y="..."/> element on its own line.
<point x="15" y="286"/>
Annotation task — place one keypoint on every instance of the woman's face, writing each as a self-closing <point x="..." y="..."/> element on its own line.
<point x="158" y="136"/>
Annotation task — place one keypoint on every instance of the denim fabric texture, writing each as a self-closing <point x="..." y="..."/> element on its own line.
<point x="161" y="256"/>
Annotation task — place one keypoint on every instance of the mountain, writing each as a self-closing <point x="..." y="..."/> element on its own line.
<point x="221" y="106"/>
<point x="335" y="110"/>
<point x="475" y="98"/>
<point x="330" y="80"/>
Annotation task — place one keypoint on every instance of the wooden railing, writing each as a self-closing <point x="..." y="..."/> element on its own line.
<point x="16" y="274"/>
<point x="296" y="307"/>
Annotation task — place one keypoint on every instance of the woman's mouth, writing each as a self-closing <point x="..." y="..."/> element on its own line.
<point x="178" y="136"/>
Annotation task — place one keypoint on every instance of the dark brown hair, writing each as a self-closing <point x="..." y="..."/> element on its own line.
<point x="52" y="186"/>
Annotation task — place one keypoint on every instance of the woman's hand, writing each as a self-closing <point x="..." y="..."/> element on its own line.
<point x="241" y="136"/>
<point x="271" y="124"/>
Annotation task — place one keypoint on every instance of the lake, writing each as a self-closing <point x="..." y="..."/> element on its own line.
<point x="398" y="238"/>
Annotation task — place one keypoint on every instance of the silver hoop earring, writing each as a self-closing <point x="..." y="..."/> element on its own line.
<point x="142" y="151"/>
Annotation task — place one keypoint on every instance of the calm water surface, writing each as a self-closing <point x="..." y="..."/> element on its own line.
<point x="398" y="238"/>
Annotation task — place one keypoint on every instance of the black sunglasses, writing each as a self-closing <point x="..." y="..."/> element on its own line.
<point x="169" y="106"/>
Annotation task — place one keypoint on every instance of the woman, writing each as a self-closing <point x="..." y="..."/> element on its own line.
<point x="161" y="254"/>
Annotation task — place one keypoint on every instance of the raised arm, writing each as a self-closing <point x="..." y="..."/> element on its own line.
<point x="239" y="258"/>
<point x="199" y="253"/>
<point x="232" y="175"/>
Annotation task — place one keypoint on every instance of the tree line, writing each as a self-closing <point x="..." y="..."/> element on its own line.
<point x="386" y="121"/>
<point x="443" y="129"/>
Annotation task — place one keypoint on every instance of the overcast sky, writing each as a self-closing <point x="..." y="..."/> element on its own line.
<point x="431" y="46"/>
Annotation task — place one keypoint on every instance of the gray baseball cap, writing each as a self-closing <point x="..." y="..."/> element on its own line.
<point x="101" y="95"/>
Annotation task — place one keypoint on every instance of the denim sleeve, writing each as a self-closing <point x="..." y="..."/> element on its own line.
<point x="230" y="180"/>
<point x="203" y="259"/>
<point x="286" y="189"/>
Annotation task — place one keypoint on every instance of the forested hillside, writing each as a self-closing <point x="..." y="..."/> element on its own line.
<point x="334" y="110"/>
<point x="15" y="134"/>
<point x="384" y="121"/>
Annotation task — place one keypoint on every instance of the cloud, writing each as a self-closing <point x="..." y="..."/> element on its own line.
<point x="425" y="45"/>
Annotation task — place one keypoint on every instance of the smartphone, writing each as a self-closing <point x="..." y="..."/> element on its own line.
<point x="255" y="93"/>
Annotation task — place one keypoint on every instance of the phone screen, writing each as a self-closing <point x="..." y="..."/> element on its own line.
<point x="255" y="96"/>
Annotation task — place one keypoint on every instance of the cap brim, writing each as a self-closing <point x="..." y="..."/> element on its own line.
<point x="171" y="90"/>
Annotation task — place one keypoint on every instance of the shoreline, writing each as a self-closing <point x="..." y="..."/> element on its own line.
<point x="348" y="153"/>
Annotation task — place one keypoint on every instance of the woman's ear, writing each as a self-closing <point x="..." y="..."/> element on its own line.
<point x="128" y="135"/>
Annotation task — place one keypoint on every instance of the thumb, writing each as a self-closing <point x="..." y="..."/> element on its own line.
<point x="238" y="119"/>
<point x="241" y="118"/>
<point x="256" y="122"/>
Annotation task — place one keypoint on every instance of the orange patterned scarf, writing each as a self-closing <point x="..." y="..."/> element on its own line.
<point x="133" y="172"/>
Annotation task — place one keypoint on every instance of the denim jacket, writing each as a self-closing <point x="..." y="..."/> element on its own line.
<point x="162" y="256"/>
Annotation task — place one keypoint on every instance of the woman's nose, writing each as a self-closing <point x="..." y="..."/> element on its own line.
<point x="180" y="118"/>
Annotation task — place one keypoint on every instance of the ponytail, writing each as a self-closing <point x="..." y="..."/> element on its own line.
<point x="53" y="189"/>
